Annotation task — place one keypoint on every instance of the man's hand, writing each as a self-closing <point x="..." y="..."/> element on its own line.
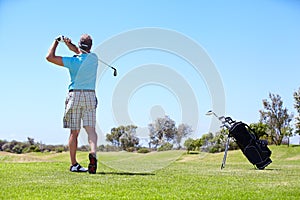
<point x="68" y="42"/>
<point x="60" y="38"/>
<point x="51" y="57"/>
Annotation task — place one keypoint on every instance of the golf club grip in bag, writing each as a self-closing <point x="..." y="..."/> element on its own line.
<point x="255" y="150"/>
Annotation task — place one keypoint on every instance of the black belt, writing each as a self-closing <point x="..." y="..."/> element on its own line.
<point x="78" y="90"/>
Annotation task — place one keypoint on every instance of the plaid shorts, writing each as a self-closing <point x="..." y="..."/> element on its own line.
<point x="80" y="105"/>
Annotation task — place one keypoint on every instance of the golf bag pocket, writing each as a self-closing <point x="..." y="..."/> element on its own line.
<point x="265" y="151"/>
<point x="252" y="154"/>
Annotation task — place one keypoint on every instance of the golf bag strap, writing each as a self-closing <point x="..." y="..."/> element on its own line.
<point x="252" y="131"/>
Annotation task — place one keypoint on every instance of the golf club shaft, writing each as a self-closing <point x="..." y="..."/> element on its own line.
<point x="225" y="153"/>
<point x="115" y="70"/>
<point x="106" y="64"/>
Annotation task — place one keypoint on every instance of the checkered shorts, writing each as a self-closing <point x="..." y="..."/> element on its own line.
<point x="80" y="105"/>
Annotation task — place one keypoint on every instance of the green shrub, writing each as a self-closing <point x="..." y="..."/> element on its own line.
<point x="31" y="148"/>
<point x="17" y="149"/>
<point x="143" y="150"/>
<point x="84" y="148"/>
<point x="59" y="149"/>
<point x="216" y="148"/>
<point x="7" y="147"/>
<point x="165" y="147"/>
<point x="37" y="149"/>
<point x="193" y="152"/>
<point x="2" y="142"/>
<point x="130" y="149"/>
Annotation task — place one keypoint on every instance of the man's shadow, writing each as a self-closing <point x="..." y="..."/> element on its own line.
<point x="127" y="173"/>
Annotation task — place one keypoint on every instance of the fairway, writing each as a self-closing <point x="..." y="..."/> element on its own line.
<point x="137" y="162"/>
<point x="125" y="175"/>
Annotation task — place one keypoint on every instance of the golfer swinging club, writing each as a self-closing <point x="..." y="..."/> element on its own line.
<point x="81" y="101"/>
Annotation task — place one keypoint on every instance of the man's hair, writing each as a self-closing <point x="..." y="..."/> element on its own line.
<point x="85" y="42"/>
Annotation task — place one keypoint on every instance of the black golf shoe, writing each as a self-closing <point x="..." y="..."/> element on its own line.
<point x="93" y="163"/>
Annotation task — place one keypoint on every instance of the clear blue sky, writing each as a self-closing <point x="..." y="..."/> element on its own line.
<point x="254" y="45"/>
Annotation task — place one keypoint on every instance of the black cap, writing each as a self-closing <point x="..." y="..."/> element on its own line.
<point x="85" y="42"/>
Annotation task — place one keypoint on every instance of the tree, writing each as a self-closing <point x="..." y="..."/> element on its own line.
<point x="192" y="144"/>
<point x="30" y="141"/>
<point x="129" y="139"/>
<point x="197" y="143"/>
<point x="277" y="118"/>
<point x="124" y="136"/>
<point x="260" y="129"/>
<point x="183" y="131"/>
<point x="155" y="138"/>
<point x="165" y="147"/>
<point x="114" y="136"/>
<point x="297" y="107"/>
<point x="189" y="145"/>
<point x="2" y="142"/>
<point x="206" y="138"/>
<point x="206" y="141"/>
<point x="161" y="131"/>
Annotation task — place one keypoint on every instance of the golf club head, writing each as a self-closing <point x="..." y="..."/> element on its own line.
<point x="115" y="72"/>
<point x="210" y="112"/>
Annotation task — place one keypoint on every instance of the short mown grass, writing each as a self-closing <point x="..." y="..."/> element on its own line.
<point x="197" y="176"/>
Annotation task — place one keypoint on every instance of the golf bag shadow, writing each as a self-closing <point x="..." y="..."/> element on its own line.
<point x="255" y="150"/>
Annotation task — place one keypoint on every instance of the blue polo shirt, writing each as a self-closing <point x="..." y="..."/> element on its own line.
<point x="83" y="71"/>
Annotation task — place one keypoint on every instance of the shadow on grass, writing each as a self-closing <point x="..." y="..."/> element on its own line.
<point x="295" y="145"/>
<point x="271" y="169"/>
<point x="126" y="173"/>
<point x="266" y="169"/>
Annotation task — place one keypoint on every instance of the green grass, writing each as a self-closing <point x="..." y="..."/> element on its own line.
<point x="162" y="175"/>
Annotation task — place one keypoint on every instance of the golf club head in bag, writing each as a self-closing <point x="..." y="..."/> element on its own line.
<point x="226" y="121"/>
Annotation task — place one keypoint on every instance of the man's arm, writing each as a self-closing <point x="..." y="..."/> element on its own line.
<point x="71" y="46"/>
<point x="51" y="57"/>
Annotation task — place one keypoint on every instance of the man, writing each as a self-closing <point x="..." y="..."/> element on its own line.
<point x="81" y="101"/>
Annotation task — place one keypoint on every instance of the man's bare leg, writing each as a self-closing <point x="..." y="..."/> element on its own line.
<point x="73" y="142"/>
<point x="92" y="138"/>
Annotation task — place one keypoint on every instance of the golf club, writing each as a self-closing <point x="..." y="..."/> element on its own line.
<point x="61" y="39"/>
<point x="225" y="121"/>
<point x="210" y="112"/>
<point x="225" y="153"/>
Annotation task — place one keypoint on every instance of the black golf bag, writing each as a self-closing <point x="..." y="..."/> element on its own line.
<point x="255" y="150"/>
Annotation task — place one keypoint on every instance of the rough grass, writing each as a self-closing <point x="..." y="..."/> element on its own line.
<point x="178" y="176"/>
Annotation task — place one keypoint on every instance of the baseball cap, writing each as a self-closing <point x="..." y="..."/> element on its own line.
<point x="85" y="42"/>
